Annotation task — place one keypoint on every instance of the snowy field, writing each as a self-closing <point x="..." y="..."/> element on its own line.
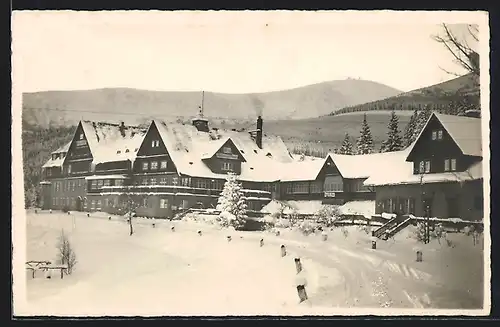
<point x="158" y="271"/>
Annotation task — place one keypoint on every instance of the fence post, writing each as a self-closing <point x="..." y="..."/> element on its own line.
<point x="172" y="229"/>
<point x="229" y="238"/>
<point x="199" y="232"/>
<point x="283" y="250"/>
<point x="298" y="265"/>
<point x="261" y="242"/>
<point x="374" y="242"/>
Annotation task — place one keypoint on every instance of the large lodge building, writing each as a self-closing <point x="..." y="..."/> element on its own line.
<point x="168" y="167"/>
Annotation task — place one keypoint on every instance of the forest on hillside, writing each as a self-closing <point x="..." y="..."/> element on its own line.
<point x="37" y="145"/>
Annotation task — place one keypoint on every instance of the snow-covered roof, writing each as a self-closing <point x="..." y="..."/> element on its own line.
<point x="365" y="165"/>
<point x="466" y="131"/>
<point x="63" y="149"/>
<point x="187" y="147"/>
<point x="306" y="170"/>
<point x="399" y="171"/>
<point x="109" y="145"/>
<point x="358" y="208"/>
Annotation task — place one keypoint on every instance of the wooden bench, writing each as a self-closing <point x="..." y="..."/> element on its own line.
<point x="45" y="266"/>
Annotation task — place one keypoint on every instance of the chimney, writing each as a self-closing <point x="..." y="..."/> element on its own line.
<point x="122" y="129"/>
<point x="258" y="138"/>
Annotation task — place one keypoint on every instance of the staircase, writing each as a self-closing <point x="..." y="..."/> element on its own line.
<point x="392" y="227"/>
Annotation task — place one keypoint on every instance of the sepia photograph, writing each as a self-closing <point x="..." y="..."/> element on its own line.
<point x="250" y="163"/>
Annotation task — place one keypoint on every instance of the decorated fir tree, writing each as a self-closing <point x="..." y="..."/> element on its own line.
<point x="232" y="204"/>
<point x="346" y="147"/>
<point x="394" y="141"/>
<point x="365" y="140"/>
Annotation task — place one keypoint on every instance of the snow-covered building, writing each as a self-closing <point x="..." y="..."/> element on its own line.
<point x="440" y="174"/>
<point x="166" y="166"/>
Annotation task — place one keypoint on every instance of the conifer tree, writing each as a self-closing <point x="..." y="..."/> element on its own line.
<point x="394" y="141"/>
<point x="232" y="203"/>
<point x="422" y="118"/>
<point x="346" y="147"/>
<point x="408" y="135"/>
<point x="365" y="140"/>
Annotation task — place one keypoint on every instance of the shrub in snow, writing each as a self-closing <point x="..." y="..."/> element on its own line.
<point x="365" y="228"/>
<point x="306" y="228"/>
<point x="66" y="254"/>
<point x="232" y="204"/>
<point x="65" y="209"/>
<point x="327" y="215"/>
<point x="345" y="232"/>
<point x="282" y="223"/>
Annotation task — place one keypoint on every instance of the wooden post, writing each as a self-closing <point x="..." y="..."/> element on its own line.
<point x="283" y="250"/>
<point x="172" y="229"/>
<point x="374" y="244"/>
<point x="277" y="233"/>
<point x="199" y="232"/>
<point x="62" y="274"/>
<point x="419" y="256"/>
<point x="261" y="242"/>
<point x="301" y="290"/>
<point x="109" y="217"/>
<point x="154" y="225"/>
<point x="298" y="265"/>
<point x="88" y="214"/>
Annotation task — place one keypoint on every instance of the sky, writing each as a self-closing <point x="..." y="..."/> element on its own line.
<point x="228" y="52"/>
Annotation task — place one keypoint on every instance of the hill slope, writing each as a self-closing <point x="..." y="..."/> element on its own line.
<point x="439" y="96"/>
<point x="67" y="107"/>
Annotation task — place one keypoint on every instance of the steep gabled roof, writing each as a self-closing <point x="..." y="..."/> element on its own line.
<point x="187" y="147"/>
<point x="465" y="131"/>
<point x="365" y="165"/>
<point x="59" y="161"/>
<point x="307" y="170"/>
<point x="107" y="143"/>
<point x="63" y="148"/>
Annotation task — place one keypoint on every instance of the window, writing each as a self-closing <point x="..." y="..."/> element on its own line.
<point x="155" y="143"/>
<point x="446" y="164"/>
<point x="163" y="181"/>
<point x="163" y="164"/>
<point x="145" y="202"/>
<point x="100" y="183"/>
<point x="99" y="204"/>
<point x="144" y="181"/>
<point x="154" y="165"/>
<point x="421" y="167"/>
<point x="453" y="164"/>
<point x="411" y="206"/>
<point x="333" y="184"/>
<point x="106" y="202"/>
<point x="227" y="150"/>
<point x="118" y="182"/>
<point x="185" y="181"/>
<point x="144" y="166"/>
<point x="175" y="180"/>
<point x="164" y="203"/>
<point x="107" y="182"/>
<point x="81" y="136"/>
<point x="300" y="187"/>
<point x="227" y="166"/>
<point x="440" y="135"/>
<point x="73" y="186"/>
<point x="288" y="188"/>
<point x="316" y="187"/>
<point x="201" y="183"/>
<point x="185" y="204"/>
<point x="93" y="185"/>
<point x="434" y="135"/>
<point x="152" y="181"/>
<point x="427" y="166"/>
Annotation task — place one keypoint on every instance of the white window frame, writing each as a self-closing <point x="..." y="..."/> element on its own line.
<point x="154" y="165"/>
<point x="93" y="184"/>
<point x="153" y="181"/>
<point x="453" y="164"/>
<point x="427" y="166"/>
<point x="421" y="167"/>
<point x="446" y="164"/>
<point x="227" y="150"/>
<point x="227" y="166"/>
<point x="100" y="183"/>
<point x="163" y="164"/>
<point x="440" y="134"/>
<point x="185" y="204"/>
<point x="163" y="203"/>
<point x="163" y="181"/>
<point x="434" y="135"/>
<point x="155" y="143"/>
<point x="107" y="182"/>
<point x="145" y="165"/>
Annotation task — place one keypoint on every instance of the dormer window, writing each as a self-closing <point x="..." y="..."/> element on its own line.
<point x="255" y="151"/>
<point x="127" y="150"/>
<point x="437" y="135"/>
<point x="118" y="152"/>
<point x="227" y="150"/>
<point x="227" y="166"/>
<point x="434" y="135"/>
<point x="80" y="136"/>
<point x="440" y="135"/>
<point x="155" y="143"/>
<point x="269" y="154"/>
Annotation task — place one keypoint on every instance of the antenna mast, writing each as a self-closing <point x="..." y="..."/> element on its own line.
<point x="202" y="102"/>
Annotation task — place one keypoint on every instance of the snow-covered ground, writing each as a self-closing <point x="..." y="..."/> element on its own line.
<point x="160" y="272"/>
